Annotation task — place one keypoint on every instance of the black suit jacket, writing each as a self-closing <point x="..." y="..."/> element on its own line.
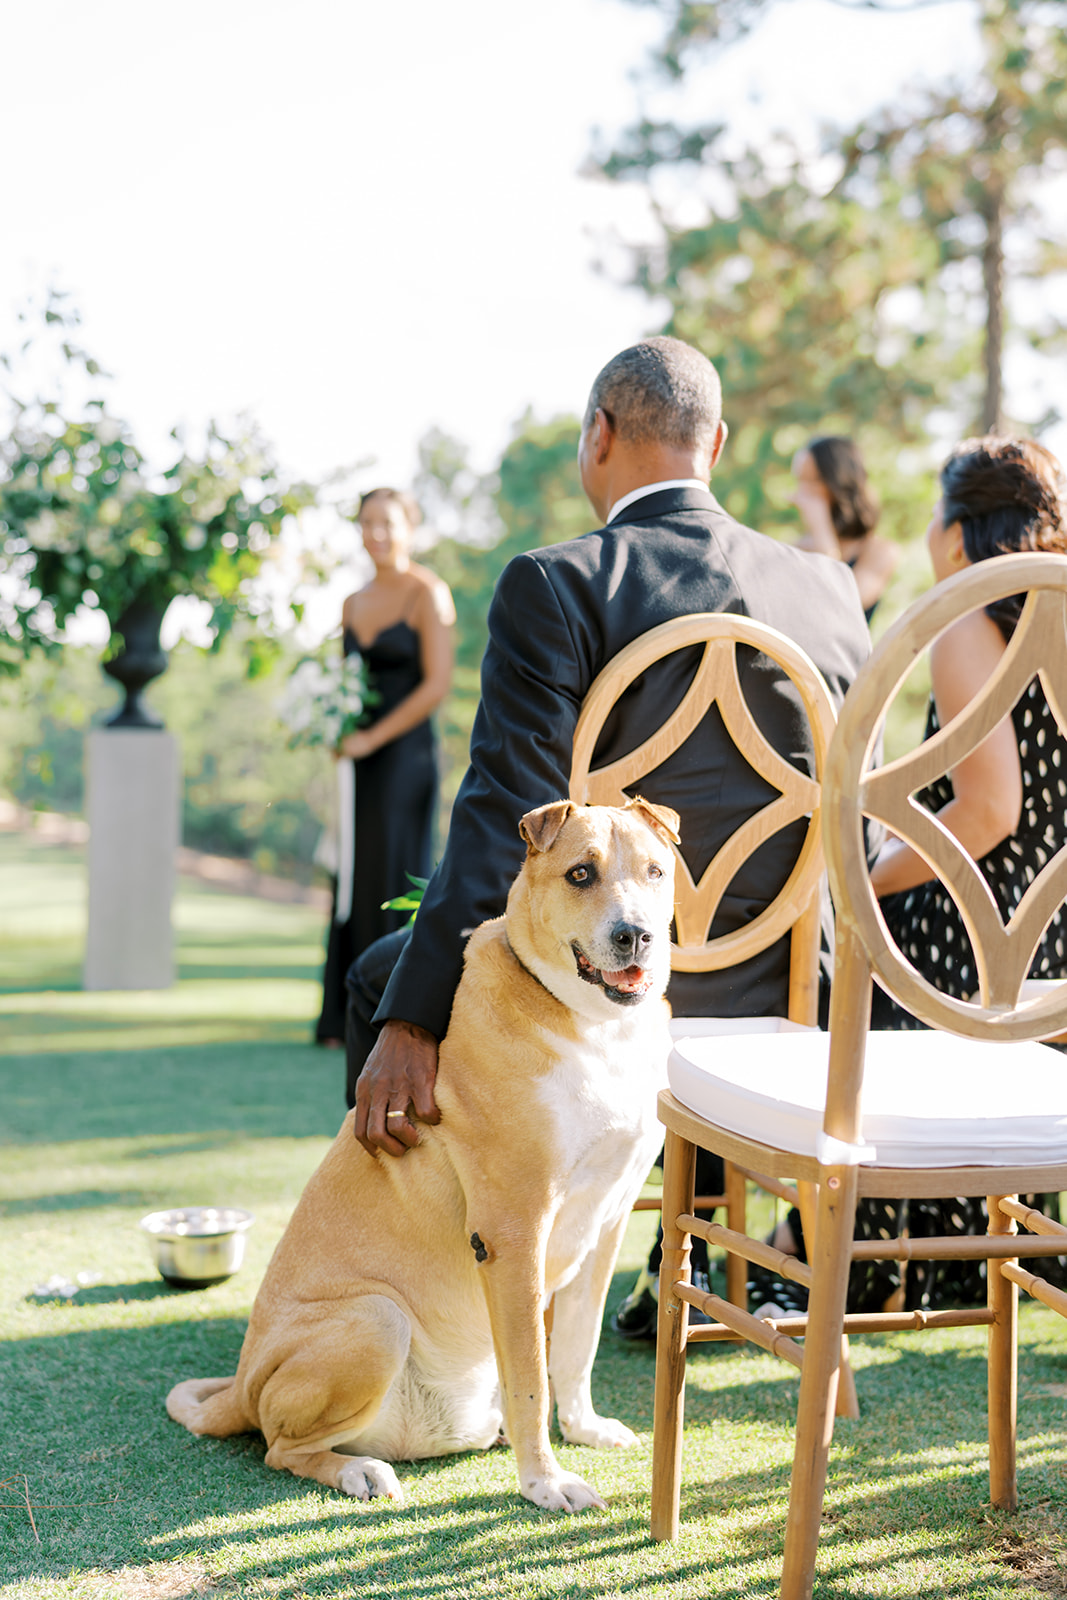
<point x="558" y="616"/>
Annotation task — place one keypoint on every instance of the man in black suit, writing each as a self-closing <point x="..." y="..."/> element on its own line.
<point x="651" y="435"/>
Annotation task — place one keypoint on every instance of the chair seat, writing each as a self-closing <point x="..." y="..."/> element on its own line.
<point x="705" y="1027"/>
<point x="929" y="1099"/>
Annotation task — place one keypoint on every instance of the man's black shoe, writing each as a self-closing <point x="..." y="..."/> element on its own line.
<point x="638" y="1315"/>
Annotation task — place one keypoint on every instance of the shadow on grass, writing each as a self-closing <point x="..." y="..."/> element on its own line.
<point x="106" y="1294"/>
<point x="51" y="980"/>
<point x="75" y="1200"/>
<point x="116" y="1483"/>
<point x="67" y="980"/>
<point x="229" y="970"/>
<point x="258" y="1089"/>
<point x="195" y="1145"/>
<point x="118" y="1030"/>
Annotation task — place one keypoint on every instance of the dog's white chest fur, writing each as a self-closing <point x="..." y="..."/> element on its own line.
<point x="601" y="1104"/>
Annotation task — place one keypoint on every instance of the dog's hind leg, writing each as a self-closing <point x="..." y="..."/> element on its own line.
<point x="328" y="1392"/>
<point x="362" y="1477"/>
<point x="578" y="1309"/>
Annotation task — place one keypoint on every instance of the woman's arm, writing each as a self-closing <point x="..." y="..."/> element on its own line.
<point x="433" y="619"/>
<point x="813" y="503"/>
<point x="988" y="784"/>
<point x="873" y="568"/>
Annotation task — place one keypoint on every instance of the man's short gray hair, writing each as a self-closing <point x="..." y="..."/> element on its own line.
<point x="661" y="391"/>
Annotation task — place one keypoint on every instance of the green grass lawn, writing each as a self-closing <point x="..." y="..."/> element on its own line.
<point x="112" y="1105"/>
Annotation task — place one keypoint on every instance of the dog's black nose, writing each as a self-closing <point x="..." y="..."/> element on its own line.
<point x="629" y="939"/>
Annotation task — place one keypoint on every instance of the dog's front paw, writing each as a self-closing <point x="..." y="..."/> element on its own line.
<point x="603" y="1433"/>
<point x="562" y="1492"/>
<point x="364" y="1479"/>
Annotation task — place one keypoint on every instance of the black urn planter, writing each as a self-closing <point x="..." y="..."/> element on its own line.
<point x="141" y="661"/>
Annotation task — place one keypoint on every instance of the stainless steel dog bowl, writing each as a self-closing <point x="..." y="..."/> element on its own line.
<point x="195" y="1246"/>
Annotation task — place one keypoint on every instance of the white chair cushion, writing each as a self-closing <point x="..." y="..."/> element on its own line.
<point x="705" y="1027"/>
<point x="929" y="1099"/>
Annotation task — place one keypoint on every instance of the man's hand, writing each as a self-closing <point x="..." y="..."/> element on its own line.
<point x="398" y="1074"/>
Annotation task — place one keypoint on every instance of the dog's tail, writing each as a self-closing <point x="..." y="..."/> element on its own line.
<point x="208" y="1405"/>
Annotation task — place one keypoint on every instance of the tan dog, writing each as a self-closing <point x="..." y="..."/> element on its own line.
<point x="402" y="1314"/>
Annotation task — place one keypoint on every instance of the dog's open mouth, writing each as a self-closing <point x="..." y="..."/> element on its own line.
<point x="627" y="985"/>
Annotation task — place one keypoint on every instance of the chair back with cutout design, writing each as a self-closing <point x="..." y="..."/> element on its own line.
<point x="717" y="682"/>
<point x="1001" y="1007"/>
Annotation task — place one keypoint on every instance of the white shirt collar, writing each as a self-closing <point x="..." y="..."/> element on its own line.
<point x="654" y="488"/>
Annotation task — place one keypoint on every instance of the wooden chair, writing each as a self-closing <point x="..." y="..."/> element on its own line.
<point x="934" y="1114"/>
<point x="796" y="909"/>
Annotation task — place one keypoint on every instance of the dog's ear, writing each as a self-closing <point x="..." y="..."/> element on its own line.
<point x="540" y="828"/>
<point x="661" y="819"/>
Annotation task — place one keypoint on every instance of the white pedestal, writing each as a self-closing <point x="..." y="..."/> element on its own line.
<point x="133" y="810"/>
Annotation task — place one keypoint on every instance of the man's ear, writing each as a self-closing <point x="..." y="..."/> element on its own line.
<point x="661" y="819"/>
<point x="605" y="435"/>
<point x="722" y="433"/>
<point x="540" y="828"/>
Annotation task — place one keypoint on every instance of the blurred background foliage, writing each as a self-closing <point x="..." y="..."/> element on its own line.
<point x="246" y="794"/>
<point x="875" y="288"/>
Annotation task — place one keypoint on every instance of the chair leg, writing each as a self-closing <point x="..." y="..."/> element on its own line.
<point x="679" y="1173"/>
<point x="830" y="1260"/>
<point x="1003" y="1370"/>
<point x="736" y="1266"/>
<point x="848" y="1404"/>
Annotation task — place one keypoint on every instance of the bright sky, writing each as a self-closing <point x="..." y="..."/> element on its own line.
<point x="359" y="220"/>
<point x="352" y="220"/>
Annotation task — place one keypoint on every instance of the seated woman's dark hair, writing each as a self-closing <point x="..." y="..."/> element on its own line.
<point x="1008" y="495"/>
<point x="853" y="507"/>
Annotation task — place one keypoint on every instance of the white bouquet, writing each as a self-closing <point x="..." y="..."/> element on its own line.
<point x="325" y="700"/>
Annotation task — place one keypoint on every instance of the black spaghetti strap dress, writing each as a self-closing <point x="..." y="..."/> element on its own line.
<point x="395" y="813"/>
<point x="925" y="921"/>
<point x="929" y="929"/>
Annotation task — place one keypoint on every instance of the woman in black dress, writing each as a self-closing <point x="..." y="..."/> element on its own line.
<point x="840" y="514"/>
<point x="401" y="623"/>
<point x="1006" y="803"/>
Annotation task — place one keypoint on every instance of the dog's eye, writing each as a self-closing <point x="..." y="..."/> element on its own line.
<point x="581" y="875"/>
<point x="654" y="871"/>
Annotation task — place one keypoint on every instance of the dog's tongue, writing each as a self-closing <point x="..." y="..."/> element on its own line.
<point x="629" y="979"/>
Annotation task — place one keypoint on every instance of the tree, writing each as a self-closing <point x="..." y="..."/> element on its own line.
<point x="533" y="498"/>
<point x="963" y="163"/>
<point x="539" y="498"/>
<point x="799" y="294"/>
<point x="974" y="158"/>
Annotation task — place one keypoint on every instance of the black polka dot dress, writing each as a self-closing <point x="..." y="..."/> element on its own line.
<point x="925" y="921"/>
<point x="927" y="925"/>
